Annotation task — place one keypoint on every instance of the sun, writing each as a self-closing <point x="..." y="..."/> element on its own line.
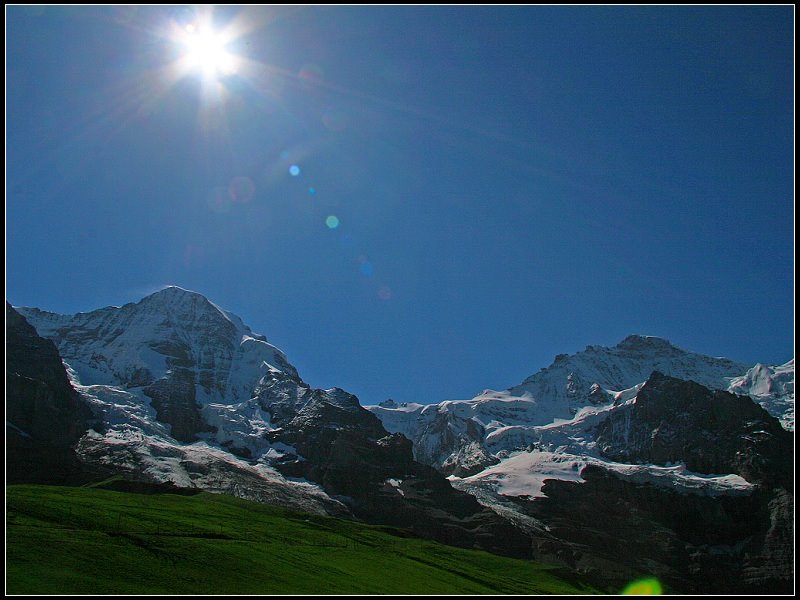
<point x="205" y="51"/>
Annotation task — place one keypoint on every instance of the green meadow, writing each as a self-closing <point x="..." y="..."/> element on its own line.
<point x="70" y="540"/>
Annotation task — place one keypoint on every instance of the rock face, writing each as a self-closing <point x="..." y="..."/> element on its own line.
<point x="191" y="396"/>
<point x="710" y="431"/>
<point x="173" y="398"/>
<point x="615" y="531"/>
<point x="689" y="484"/>
<point x="45" y="416"/>
<point x="724" y="543"/>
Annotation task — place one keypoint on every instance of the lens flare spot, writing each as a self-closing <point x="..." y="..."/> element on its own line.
<point x="294" y="170"/>
<point x="332" y="221"/>
<point x="385" y="292"/>
<point x="312" y="191"/>
<point x="367" y="269"/>
<point x="241" y="189"/>
<point x="643" y="587"/>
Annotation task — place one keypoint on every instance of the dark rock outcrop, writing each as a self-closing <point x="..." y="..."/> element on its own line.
<point x="173" y="398"/>
<point x="711" y="431"/>
<point x="345" y="449"/>
<point x="45" y="416"/>
<point x="615" y="531"/>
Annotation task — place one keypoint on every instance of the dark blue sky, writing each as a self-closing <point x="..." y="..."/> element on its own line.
<point x="509" y="182"/>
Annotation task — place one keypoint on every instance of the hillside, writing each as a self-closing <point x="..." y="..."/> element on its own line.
<point x="99" y="541"/>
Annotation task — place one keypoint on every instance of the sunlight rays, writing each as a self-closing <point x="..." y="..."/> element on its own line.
<point x="205" y="51"/>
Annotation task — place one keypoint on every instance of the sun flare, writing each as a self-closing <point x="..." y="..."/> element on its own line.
<point x="205" y="51"/>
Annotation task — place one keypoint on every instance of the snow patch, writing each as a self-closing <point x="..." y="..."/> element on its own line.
<point x="524" y="474"/>
<point x="395" y="483"/>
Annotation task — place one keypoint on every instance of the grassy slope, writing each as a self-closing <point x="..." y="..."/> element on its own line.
<point x="93" y="541"/>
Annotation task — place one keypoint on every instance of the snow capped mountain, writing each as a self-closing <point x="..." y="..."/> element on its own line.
<point x="572" y="380"/>
<point x="173" y="363"/>
<point x="183" y="392"/>
<point x="463" y="437"/>
<point x="630" y="443"/>
<point x="139" y="343"/>
<point x="174" y="368"/>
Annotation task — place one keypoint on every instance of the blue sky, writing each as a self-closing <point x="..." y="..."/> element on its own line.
<point x="508" y="183"/>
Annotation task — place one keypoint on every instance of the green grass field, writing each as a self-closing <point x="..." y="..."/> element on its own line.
<point x="66" y="540"/>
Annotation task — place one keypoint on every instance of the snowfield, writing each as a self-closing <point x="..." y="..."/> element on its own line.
<point x="524" y="474"/>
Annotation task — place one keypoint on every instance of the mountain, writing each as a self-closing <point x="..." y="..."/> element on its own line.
<point x="618" y="462"/>
<point x="185" y="393"/>
<point x="463" y="437"/>
<point x="690" y="484"/>
<point x="631" y="459"/>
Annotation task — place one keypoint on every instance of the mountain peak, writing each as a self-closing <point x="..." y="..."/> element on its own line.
<point x="175" y="289"/>
<point x="644" y="341"/>
<point x="177" y="300"/>
<point x="172" y="293"/>
<point x="172" y="346"/>
<point x="570" y="378"/>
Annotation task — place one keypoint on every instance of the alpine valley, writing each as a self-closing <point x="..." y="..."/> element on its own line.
<point x="641" y="459"/>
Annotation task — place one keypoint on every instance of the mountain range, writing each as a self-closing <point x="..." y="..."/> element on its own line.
<point x="642" y="458"/>
<point x="573" y="394"/>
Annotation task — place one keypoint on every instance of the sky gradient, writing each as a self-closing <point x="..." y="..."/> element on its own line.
<point x="414" y="202"/>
